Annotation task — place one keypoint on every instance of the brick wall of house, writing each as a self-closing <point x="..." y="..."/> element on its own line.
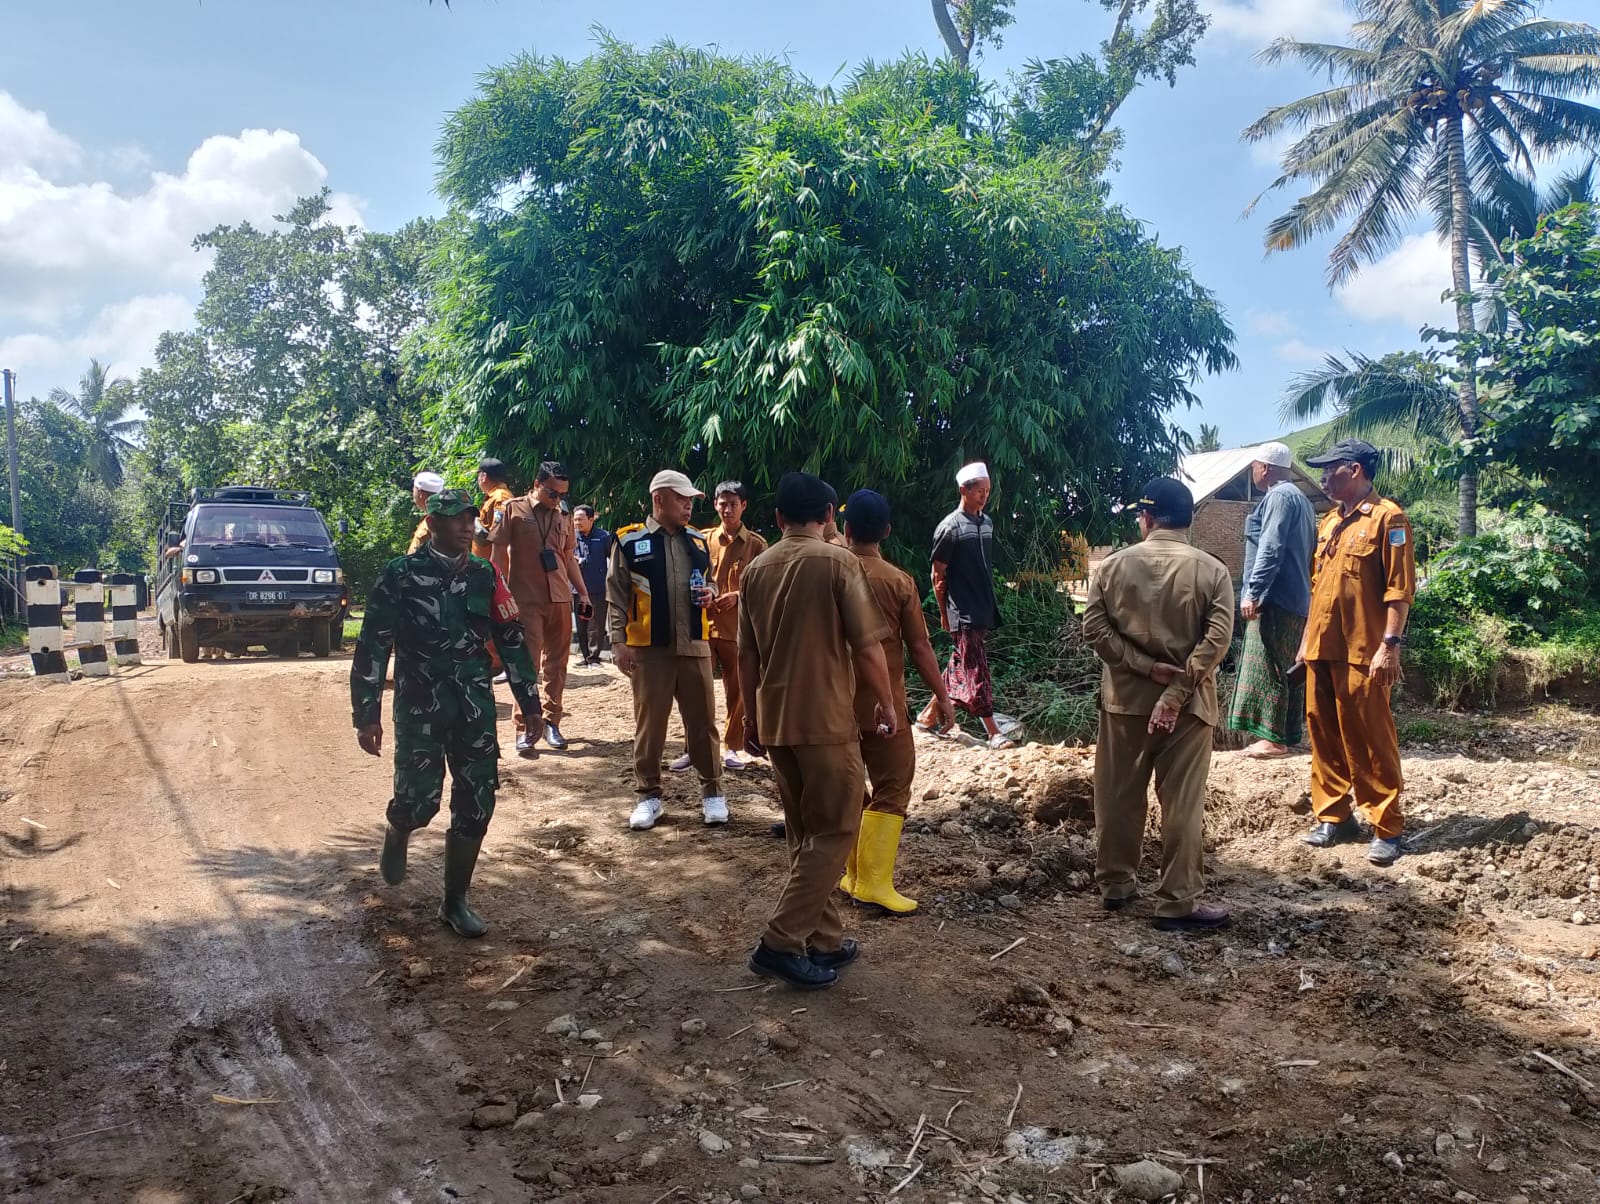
<point x="1219" y="529"/>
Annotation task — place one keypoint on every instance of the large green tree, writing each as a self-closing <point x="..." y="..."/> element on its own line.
<point x="1436" y="103"/>
<point x="1541" y="404"/>
<point x="294" y="375"/>
<point x="672" y="256"/>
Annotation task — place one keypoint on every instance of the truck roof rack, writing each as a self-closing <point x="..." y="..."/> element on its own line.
<point x="251" y="493"/>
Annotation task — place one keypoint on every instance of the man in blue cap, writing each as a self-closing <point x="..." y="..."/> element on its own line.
<point x="1363" y="578"/>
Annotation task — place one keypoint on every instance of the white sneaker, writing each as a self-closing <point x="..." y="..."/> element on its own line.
<point x="716" y="809"/>
<point x="681" y="764"/>
<point x="645" y="814"/>
<point x="499" y="679"/>
<point x="732" y="760"/>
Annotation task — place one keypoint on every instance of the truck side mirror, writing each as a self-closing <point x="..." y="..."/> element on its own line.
<point x="344" y="526"/>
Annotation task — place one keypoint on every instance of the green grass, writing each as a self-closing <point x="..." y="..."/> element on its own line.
<point x="13" y="637"/>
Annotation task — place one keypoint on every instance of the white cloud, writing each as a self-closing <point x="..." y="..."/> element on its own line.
<point x="1267" y="325"/>
<point x="26" y="136"/>
<point x="1298" y="351"/>
<point x="1405" y="286"/>
<point x="1257" y="22"/>
<point x="122" y="335"/>
<point x="101" y="268"/>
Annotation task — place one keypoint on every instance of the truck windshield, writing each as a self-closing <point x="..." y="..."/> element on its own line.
<point x="260" y="527"/>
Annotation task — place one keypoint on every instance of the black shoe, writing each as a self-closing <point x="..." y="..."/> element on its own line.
<point x="780" y="830"/>
<point x="553" y="737"/>
<point x="392" y="861"/>
<point x="1202" y="919"/>
<point x="795" y="969"/>
<point x="841" y="957"/>
<point x="1325" y="835"/>
<point x="460" y="858"/>
<point x="1119" y="904"/>
<point x="525" y="744"/>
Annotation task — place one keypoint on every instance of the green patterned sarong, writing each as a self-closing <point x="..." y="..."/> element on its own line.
<point x="1264" y="704"/>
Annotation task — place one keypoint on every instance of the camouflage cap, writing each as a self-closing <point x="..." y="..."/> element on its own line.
<point x="451" y="501"/>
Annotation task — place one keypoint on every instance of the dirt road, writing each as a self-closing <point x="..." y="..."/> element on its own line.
<point x="208" y="994"/>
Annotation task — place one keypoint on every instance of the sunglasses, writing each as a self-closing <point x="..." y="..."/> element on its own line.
<point x="548" y="491"/>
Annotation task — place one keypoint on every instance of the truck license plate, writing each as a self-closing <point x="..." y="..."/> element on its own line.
<point x="266" y="596"/>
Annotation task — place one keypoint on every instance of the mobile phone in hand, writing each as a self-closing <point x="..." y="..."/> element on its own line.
<point x="1296" y="672"/>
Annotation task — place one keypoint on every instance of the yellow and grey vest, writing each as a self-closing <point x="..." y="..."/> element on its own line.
<point x="645" y="553"/>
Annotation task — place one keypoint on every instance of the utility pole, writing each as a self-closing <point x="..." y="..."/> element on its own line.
<point x="10" y="378"/>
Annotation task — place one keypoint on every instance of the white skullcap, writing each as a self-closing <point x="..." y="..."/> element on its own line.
<point x="428" y="482"/>
<point x="1277" y="455"/>
<point x="976" y="471"/>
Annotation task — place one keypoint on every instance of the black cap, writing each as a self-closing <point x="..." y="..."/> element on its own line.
<point x="1357" y="451"/>
<point x="801" y="494"/>
<point x="1168" y="501"/>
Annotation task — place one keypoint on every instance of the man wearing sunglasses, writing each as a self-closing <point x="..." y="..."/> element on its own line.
<point x="542" y="571"/>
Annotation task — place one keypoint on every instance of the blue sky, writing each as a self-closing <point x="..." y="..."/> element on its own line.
<point x="126" y="129"/>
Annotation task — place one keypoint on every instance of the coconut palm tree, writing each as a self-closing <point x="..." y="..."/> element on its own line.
<point x="103" y="403"/>
<point x="1435" y="103"/>
<point x="1403" y="403"/>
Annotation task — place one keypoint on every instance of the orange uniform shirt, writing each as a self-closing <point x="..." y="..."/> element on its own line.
<point x="493" y="504"/>
<point x="729" y="555"/>
<point x="1364" y="560"/>
<point x="901" y="607"/>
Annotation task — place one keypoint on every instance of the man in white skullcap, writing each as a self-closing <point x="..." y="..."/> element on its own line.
<point x="1274" y="598"/>
<point x="423" y="486"/>
<point x="963" y="587"/>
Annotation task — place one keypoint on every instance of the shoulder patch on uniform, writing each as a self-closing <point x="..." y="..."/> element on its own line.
<point x="1397" y="537"/>
<point x="624" y="532"/>
<point x="1365" y="507"/>
<point x="642" y="546"/>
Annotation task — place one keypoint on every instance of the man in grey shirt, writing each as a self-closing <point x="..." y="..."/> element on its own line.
<point x="1274" y="597"/>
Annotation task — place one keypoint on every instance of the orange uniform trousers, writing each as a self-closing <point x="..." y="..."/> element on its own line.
<point x="548" y="630"/>
<point x="821" y="786"/>
<point x="891" y="766"/>
<point x="1355" y="750"/>
<point x="726" y="654"/>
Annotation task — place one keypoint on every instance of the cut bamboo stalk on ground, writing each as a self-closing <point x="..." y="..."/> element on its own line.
<point x="1015" y="1100"/>
<point x="1021" y="940"/>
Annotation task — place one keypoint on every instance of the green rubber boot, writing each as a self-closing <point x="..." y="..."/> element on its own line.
<point x="460" y="858"/>
<point x="392" y="861"/>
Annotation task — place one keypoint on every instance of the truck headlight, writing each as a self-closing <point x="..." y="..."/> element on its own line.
<point x="199" y="576"/>
<point x="323" y="576"/>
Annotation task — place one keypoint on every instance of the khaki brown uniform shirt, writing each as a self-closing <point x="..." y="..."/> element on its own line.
<point x="729" y="556"/>
<point x="419" y="537"/>
<point x="496" y="500"/>
<point x="900" y="606"/>
<point x="1364" y="561"/>
<point x="1160" y="600"/>
<point x="526" y="529"/>
<point x="805" y="609"/>
<point x="619" y="601"/>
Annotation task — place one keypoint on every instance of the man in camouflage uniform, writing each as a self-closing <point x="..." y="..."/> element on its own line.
<point x="441" y="607"/>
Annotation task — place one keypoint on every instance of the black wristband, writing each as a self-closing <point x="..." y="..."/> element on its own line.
<point x="1394" y="641"/>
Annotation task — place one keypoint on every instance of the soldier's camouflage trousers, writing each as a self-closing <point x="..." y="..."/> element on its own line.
<point x="422" y="749"/>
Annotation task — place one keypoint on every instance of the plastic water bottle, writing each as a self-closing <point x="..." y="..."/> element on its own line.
<point x="697" y="587"/>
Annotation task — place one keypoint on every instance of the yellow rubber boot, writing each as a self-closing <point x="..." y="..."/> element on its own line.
<point x="876" y="850"/>
<point x="848" y="882"/>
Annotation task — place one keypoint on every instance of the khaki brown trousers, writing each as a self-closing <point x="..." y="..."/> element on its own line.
<point x="1126" y="757"/>
<point x="1355" y="750"/>
<point x="891" y="766"/>
<point x="821" y="787"/>
<point x="658" y="682"/>
<point x="548" y="630"/>
<point x="726" y="653"/>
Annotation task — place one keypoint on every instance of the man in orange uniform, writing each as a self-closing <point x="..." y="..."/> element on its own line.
<point x="891" y="761"/>
<point x="493" y="483"/>
<point x="423" y="486"/>
<point x="733" y="545"/>
<point x="1363" y="577"/>
<point x="542" y="570"/>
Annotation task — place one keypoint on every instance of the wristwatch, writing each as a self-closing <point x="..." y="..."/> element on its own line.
<point x="1394" y="641"/>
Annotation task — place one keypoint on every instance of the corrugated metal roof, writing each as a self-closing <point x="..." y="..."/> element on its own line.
<point x="1206" y="473"/>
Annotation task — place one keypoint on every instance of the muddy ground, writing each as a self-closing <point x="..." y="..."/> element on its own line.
<point x="207" y="993"/>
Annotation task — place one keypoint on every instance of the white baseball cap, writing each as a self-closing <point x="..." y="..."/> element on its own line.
<point x="428" y="482"/>
<point x="681" y="485"/>
<point x="1277" y="455"/>
<point x="976" y="471"/>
